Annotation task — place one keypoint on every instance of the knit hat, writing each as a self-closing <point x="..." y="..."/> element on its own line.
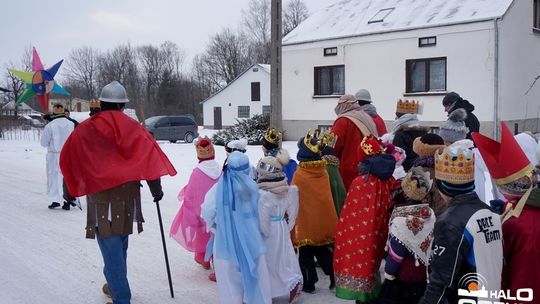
<point x="428" y="144"/>
<point x="205" y="149"/>
<point x="272" y="138"/>
<point x="363" y="95"/>
<point x="451" y="98"/>
<point x="454" y="128"/>
<point x="269" y="164"/>
<point x="416" y="184"/>
<point x="454" y="168"/>
<point x="309" y="147"/>
<point x="236" y="145"/>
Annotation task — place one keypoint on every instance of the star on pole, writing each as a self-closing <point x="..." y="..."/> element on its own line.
<point x="40" y="82"/>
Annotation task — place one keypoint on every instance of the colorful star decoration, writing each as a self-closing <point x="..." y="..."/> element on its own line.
<point x="39" y="82"/>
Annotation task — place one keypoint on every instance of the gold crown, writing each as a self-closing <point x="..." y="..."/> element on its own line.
<point x="329" y="140"/>
<point x="94" y="103"/>
<point x="273" y="136"/>
<point x="317" y="147"/>
<point x="412" y="106"/>
<point x="455" y="169"/>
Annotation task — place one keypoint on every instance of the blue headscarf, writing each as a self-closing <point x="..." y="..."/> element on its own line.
<point x="238" y="236"/>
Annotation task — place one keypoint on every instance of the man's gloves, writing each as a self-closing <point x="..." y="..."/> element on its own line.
<point x="155" y="189"/>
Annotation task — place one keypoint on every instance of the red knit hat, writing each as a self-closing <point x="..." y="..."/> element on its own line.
<point x="505" y="161"/>
<point x="205" y="149"/>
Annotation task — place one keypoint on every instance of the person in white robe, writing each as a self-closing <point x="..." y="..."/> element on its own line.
<point x="53" y="137"/>
<point x="278" y="208"/>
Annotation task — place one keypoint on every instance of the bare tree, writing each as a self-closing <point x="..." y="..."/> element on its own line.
<point x="226" y="56"/>
<point x="294" y="13"/>
<point x="14" y="83"/>
<point x="82" y="69"/>
<point x="121" y="64"/>
<point x="256" y="27"/>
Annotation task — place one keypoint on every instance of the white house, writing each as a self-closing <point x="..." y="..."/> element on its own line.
<point x="486" y="50"/>
<point x="247" y="95"/>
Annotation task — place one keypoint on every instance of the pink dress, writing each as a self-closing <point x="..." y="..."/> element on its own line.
<point x="188" y="228"/>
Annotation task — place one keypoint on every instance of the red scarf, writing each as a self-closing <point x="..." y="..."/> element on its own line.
<point x="108" y="150"/>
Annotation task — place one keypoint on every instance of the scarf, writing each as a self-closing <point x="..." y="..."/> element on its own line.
<point x="354" y="110"/>
<point x="409" y="120"/>
<point x="276" y="185"/>
<point x="413" y="227"/>
<point x="370" y="109"/>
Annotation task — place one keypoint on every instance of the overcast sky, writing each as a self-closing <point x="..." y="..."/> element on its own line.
<point x="55" y="27"/>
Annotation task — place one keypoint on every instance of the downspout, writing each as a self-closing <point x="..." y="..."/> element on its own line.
<point x="496" y="118"/>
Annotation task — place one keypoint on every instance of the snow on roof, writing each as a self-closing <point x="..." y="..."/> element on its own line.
<point x="349" y="18"/>
<point x="266" y="67"/>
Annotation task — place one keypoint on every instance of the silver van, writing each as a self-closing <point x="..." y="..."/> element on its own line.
<point x="172" y="128"/>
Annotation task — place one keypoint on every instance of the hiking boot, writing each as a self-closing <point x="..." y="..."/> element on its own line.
<point x="54" y="205"/>
<point x="309" y="289"/>
<point x="212" y="277"/>
<point x="332" y="284"/>
<point x="66" y="206"/>
<point x="106" y="290"/>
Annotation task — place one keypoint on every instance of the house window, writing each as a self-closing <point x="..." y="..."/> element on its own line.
<point x="332" y="51"/>
<point x="380" y="15"/>
<point x="427" y="41"/>
<point x="330" y="80"/>
<point x="266" y="110"/>
<point x="243" y="111"/>
<point x="255" y="91"/>
<point x="426" y="75"/>
<point x="536" y="9"/>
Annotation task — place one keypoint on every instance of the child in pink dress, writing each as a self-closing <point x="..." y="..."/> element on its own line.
<point x="188" y="228"/>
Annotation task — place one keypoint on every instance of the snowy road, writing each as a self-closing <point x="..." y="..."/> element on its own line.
<point x="44" y="257"/>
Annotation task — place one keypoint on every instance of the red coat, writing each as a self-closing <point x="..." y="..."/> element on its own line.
<point x="348" y="139"/>
<point x="379" y="123"/>
<point x="522" y="252"/>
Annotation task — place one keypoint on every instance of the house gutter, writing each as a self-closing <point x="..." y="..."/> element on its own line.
<point x="496" y="104"/>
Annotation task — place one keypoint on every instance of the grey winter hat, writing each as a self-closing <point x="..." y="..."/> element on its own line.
<point x="454" y="128"/>
<point x="363" y="95"/>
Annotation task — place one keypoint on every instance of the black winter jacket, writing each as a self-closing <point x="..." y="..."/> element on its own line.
<point x="404" y="138"/>
<point x="467" y="239"/>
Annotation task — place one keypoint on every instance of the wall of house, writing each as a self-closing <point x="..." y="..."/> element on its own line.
<point x="238" y="93"/>
<point x="377" y="63"/>
<point x="519" y="65"/>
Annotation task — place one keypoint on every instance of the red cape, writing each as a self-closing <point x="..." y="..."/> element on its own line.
<point x="108" y="150"/>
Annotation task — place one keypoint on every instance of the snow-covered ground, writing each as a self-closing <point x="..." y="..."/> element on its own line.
<point x="45" y="258"/>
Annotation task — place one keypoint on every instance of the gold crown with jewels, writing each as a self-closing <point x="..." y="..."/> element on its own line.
<point x="454" y="167"/>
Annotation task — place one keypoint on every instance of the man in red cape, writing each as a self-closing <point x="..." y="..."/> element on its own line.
<point x="105" y="158"/>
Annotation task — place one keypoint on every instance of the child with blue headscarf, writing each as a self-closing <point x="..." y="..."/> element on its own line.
<point x="230" y="210"/>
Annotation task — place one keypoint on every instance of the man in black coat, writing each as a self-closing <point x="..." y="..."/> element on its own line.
<point x="453" y="101"/>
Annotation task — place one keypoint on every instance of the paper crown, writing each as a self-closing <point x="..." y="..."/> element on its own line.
<point x="416" y="184"/>
<point x="204" y="147"/>
<point x="329" y="139"/>
<point x="315" y="148"/>
<point x="273" y="136"/>
<point x="505" y="161"/>
<point x="412" y="106"/>
<point x="371" y="145"/>
<point x="454" y="166"/>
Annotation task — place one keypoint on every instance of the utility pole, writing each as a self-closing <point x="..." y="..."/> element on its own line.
<point x="275" y="62"/>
